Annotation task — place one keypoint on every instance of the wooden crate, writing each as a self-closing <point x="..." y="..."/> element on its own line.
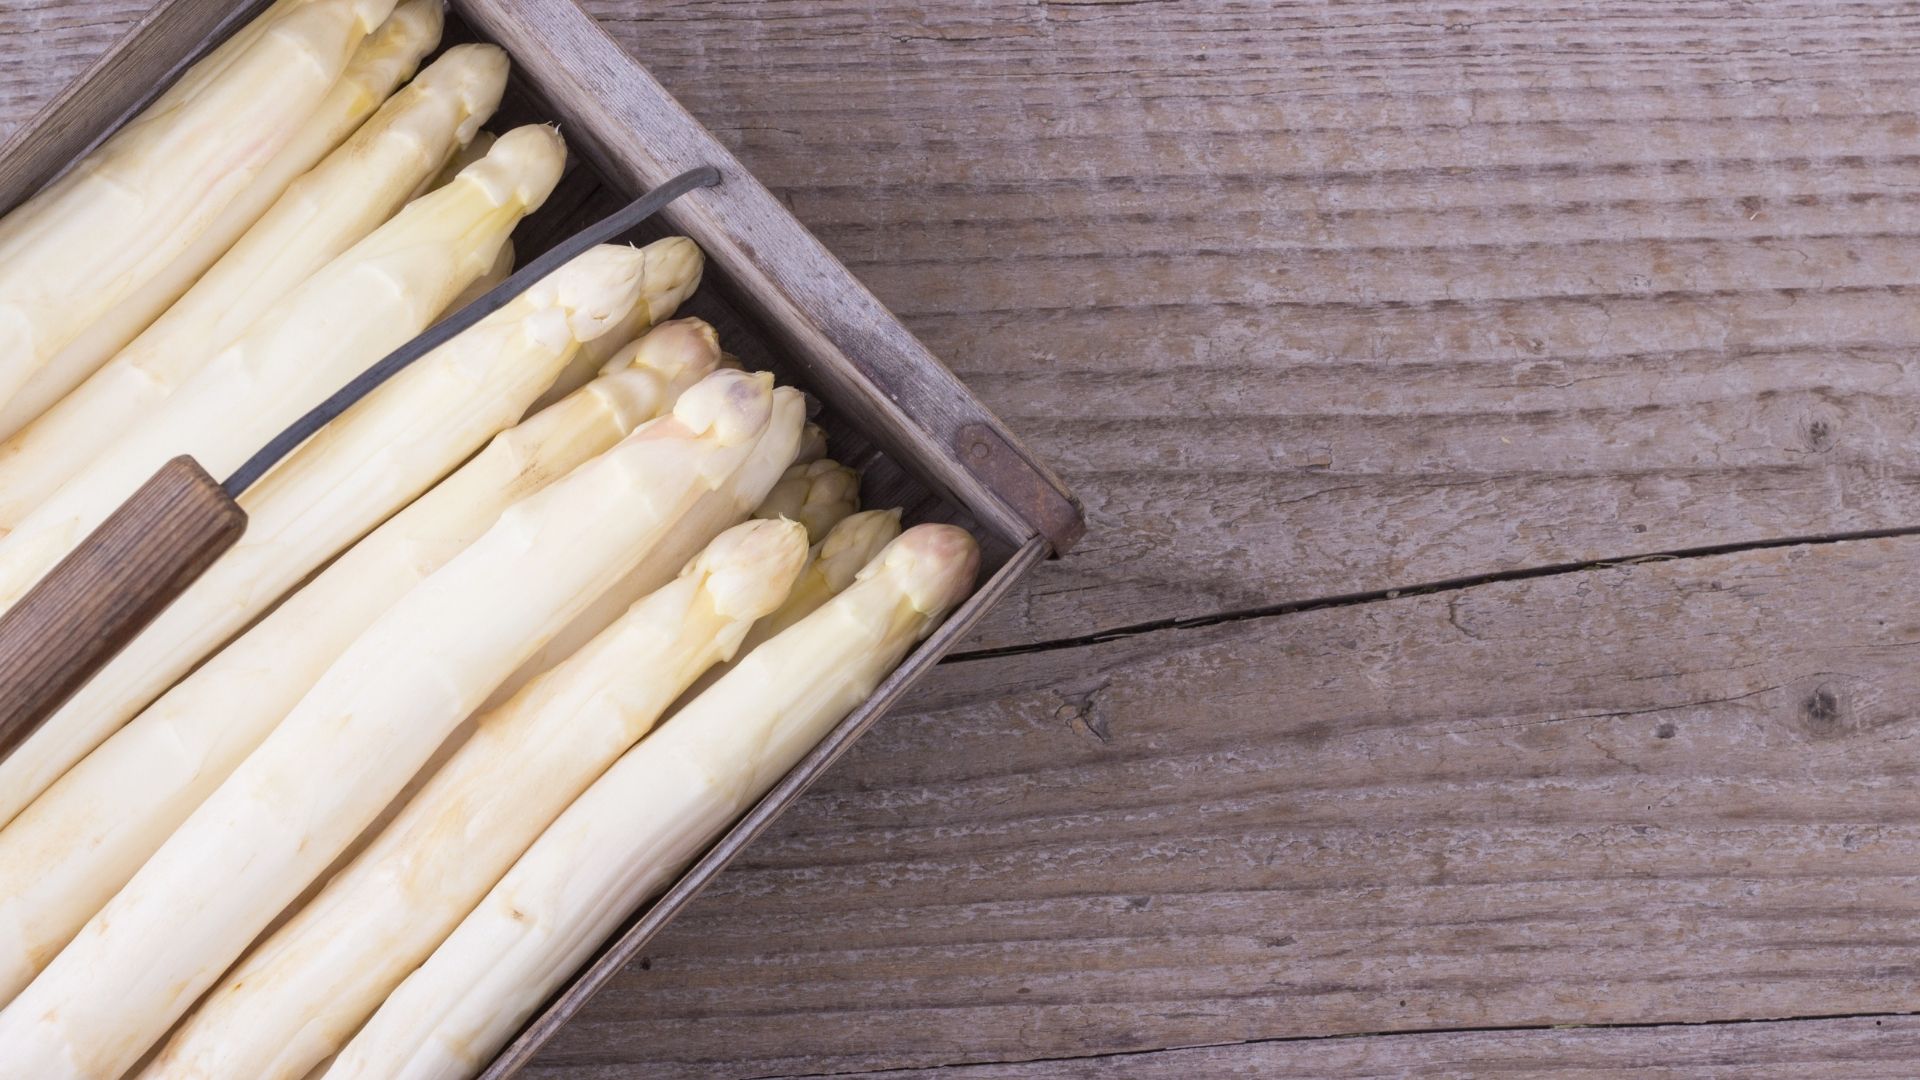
<point x="780" y="300"/>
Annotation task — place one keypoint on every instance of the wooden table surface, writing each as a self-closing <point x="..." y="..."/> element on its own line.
<point x="1494" y="651"/>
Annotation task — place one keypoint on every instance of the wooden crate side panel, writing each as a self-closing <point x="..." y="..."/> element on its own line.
<point x="851" y="346"/>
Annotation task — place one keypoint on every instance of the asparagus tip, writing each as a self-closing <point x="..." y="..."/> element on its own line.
<point x="853" y="543"/>
<point x="733" y="406"/>
<point x="672" y="273"/>
<point x="751" y="567"/>
<point x="935" y="565"/>
<point x="521" y="167"/>
<point x="477" y="75"/>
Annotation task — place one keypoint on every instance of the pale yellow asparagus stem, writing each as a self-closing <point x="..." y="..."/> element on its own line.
<point x="652" y="812"/>
<point x="818" y="495"/>
<point x="191" y="82"/>
<point x="717" y="512"/>
<point x="676" y="263"/>
<point x="500" y="271"/>
<point x="831" y="567"/>
<point x="364" y="728"/>
<point x="134" y="205"/>
<point x="359" y="469"/>
<point x="298" y="996"/>
<point x="222" y="55"/>
<point x="813" y="444"/>
<point x="690" y="349"/>
<point x="74" y="847"/>
<point x="337" y="204"/>
<point x="371" y="299"/>
<point x="382" y="62"/>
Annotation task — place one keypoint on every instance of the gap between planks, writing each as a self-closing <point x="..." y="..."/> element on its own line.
<point x="1024" y="1067"/>
<point x="1471" y="581"/>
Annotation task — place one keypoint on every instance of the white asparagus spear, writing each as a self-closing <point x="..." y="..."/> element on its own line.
<point x="356" y="189"/>
<point x="353" y="741"/>
<point x="75" y="846"/>
<point x="500" y="271"/>
<point x="651" y="813"/>
<point x="193" y="81"/>
<point x="817" y="494"/>
<point x="383" y="61"/>
<point x="366" y="302"/>
<point x="124" y="214"/>
<point x="299" y="995"/>
<point x="674" y="258"/>
<point x="715" y="512"/>
<point x="362" y="467"/>
<point x="831" y="566"/>
<point x="718" y="511"/>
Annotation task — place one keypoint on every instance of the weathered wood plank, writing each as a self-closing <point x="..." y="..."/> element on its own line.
<point x="1315" y="299"/>
<point x="1862" y="1049"/>
<point x="1675" y="791"/>
<point x="48" y="43"/>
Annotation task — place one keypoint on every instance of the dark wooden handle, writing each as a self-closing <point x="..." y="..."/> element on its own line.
<point x="120" y="577"/>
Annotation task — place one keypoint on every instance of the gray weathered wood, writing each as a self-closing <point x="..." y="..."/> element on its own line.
<point x="1675" y="791"/>
<point x="1864" y="1049"/>
<point x="1313" y="299"/>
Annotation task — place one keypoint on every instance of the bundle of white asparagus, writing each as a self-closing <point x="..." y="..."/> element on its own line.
<point x="653" y="811"/>
<point x="513" y="638"/>
<point x="126" y="219"/>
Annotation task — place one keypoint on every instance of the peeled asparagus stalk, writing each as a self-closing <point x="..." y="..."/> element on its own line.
<point x="126" y="212"/>
<point x="653" y="812"/>
<point x="675" y="258"/>
<point x="343" y="199"/>
<point x="300" y="994"/>
<point x="363" y="729"/>
<point x="382" y="62"/>
<point x="717" y="511"/>
<point x="359" y="469"/>
<point x="831" y="566"/>
<point x="501" y="270"/>
<point x="191" y="82"/>
<point x="74" y="847"/>
<point x="366" y="302"/>
<point x="818" y="495"/>
<point x="223" y="54"/>
<point x="679" y="337"/>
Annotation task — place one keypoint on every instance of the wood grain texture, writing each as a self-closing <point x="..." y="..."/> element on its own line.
<point x="1312" y="299"/>
<point x="94" y="601"/>
<point x="1854" y="1049"/>
<point x="1674" y="791"/>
